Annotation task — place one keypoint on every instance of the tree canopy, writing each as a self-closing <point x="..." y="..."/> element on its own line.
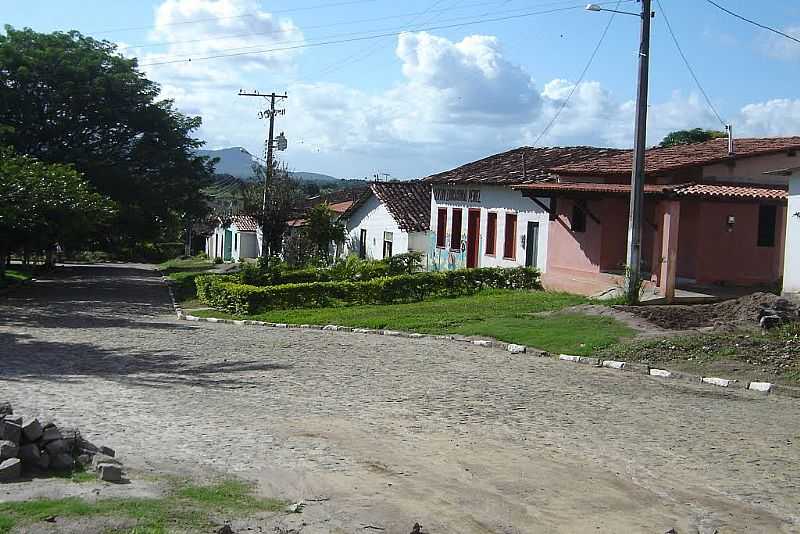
<point x="43" y="204"/>
<point x="687" y="137"/>
<point x="68" y="98"/>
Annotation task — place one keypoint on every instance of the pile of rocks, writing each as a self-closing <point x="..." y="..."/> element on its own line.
<point x="27" y="445"/>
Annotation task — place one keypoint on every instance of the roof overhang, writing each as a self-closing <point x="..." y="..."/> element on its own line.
<point x="721" y="192"/>
<point x="783" y="172"/>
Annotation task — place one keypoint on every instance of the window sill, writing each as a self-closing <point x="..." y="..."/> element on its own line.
<point x="509" y="259"/>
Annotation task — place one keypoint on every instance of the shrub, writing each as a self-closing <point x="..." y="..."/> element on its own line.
<point x="226" y="292"/>
<point x="408" y="263"/>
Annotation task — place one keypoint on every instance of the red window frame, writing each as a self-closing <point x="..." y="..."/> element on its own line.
<point x="455" y="229"/>
<point x="441" y="227"/>
<point x="510" y="241"/>
<point x="491" y="233"/>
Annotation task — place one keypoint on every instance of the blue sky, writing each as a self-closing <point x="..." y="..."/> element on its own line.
<point x="426" y="101"/>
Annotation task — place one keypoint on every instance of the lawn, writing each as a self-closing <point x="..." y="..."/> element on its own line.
<point x="743" y="355"/>
<point x="183" y="272"/>
<point x="186" y="508"/>
<point x="14" y="277"/>
<point x="506" y="315"/>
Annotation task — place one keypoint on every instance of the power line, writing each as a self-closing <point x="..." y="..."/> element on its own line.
<point x="689" y="66"/>
<point x="365" y="38"/>
<point x="242" y="16"/>
<point x="762" y="26"/>
<point x="580" y="78"/>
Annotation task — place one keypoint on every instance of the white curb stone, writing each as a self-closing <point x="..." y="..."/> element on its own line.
<point x="763" y="387"/>
<point x="613" y="364"/>
<point x="414" y="335"/>
<point x="721" y="382"/>
<point x="281" y="325"/>
<point x="331" y="327"/>
<point x="482" y="343"/>
<point x="663" y="373"/>
<point x="213" y="320"/>
<point x="568" y="358"/>
<point x="390" y="332"/>
<point x="516" y="349"/>
<point x="240" y="323"/>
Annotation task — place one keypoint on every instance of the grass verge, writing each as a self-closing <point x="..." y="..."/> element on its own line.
<point x="506" y="315"/>
<point x="183" y="272"/>
<point x="743" y="355"/>
<point x="14" y="277"/>
<point x="187" y="507"/>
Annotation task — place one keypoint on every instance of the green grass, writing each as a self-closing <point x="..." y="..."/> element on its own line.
<point x="506" y="315"/>
<point x="183" y="273"/>
<point x="186" y="507"/>
<point x="14" y="277"/>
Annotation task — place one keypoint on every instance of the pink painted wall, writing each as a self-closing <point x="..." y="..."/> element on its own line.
<point x="734" y="256"/>
<point x="575" y="251"/>
<point x="615" y="233"/>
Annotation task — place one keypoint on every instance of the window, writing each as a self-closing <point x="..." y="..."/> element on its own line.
<point x="455" y="231"/>
<point x="388" y="237"/>
<point x="441" y="228"/>
<point x="509" y="243"/>
<point x="578" y="220"/>
<point x="362" y="248"/>
<point x="491" y="233"/>
<point x="767" y="216"/>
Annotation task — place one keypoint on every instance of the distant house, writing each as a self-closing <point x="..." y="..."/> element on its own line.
<point x="479" y="219"/>
<point x="712" y="215"/>
<point x="390" y="218"/>
<point x="791" y="264"/>
<point x="238" y="237"/>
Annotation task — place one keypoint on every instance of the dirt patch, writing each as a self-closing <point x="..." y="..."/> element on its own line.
<point x="642" y="326"/>
<point x="738" y="313"/>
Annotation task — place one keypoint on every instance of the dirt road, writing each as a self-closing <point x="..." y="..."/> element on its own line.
<point x="383" y="432"/>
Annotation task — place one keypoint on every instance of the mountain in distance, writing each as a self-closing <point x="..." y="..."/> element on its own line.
<point x="236" y="162"/>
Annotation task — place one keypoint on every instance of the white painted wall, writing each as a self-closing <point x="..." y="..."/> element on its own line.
<point x="376" y="219"/>
<point x="498" y="199"/>
<point x="244" y="244"/>
<point x="791" y="265"/>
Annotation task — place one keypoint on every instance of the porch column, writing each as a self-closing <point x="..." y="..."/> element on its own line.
<point x="669" y="248"/>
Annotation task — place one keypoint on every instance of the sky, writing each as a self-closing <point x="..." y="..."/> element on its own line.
<point x="420" y="86"/>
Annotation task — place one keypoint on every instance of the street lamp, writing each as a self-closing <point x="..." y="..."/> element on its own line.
<point x="634" y="254"/>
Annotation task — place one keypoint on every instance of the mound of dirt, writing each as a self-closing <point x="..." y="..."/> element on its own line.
<point x="742" y="312"/>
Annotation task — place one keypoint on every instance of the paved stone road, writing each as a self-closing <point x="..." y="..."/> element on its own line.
<point x="383" y="432"/>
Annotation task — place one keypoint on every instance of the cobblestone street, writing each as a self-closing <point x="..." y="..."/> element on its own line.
<point x="385" y="431"/>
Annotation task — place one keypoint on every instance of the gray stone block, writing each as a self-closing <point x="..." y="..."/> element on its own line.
<point x="61" y="462"/>
<point x="108" y="451"/>
<point x="10" y="431"/>
<point x="8" y="449"/>
<point x="30" y="454"/>
<point x="110" y="472"/>
<point x="10" y="470"/>
<point x="100" y="459"/>
<point x="6" y="409"/>
<point x="56" y="447"/>
<point x="44" y="461"/>
<point x="51" y="433"/>
<point x="32" y="429"/>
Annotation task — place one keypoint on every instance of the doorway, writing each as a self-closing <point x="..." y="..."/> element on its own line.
<point x="227" y="243"/>
<point x="532" y="245"/>
<point x="473" y="230"/>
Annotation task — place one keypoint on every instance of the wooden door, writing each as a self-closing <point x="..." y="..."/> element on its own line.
<point x="473" y="231"/>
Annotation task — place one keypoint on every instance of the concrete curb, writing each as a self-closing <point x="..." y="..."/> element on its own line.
<point x="615" y="365"/>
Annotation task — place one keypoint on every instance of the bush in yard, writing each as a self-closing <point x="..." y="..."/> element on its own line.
<point x="407" y="263"/>
<point x="229" y="294"/>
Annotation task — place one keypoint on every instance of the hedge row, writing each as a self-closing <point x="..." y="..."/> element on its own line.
<point x="243" y="299"/>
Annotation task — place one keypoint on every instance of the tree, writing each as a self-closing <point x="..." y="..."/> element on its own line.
<point x="67" y="98"/>
<point x="687" y="137"/>
<point x="323" y="229"/>
<point x="42" y="205"/>
<point x="284" y="194"/>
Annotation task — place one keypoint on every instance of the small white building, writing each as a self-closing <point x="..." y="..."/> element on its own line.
<point x="791" y="264"/>
<point x="389" y="218"/>
<point x="238" y="237"/>
<point x="479" y="220"/>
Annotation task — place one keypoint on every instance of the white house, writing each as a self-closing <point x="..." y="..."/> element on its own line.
<point x="233" y="239"/>
<point x="389" y="218"/>
<point x="478" y="220"/>
<point x="791" y="264"/>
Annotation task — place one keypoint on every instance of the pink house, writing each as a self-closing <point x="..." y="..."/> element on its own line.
<point x="712" y="216"/>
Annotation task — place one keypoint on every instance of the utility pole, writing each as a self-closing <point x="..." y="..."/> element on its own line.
<point x="634" y="257"/>
<point x="270" y="114"/>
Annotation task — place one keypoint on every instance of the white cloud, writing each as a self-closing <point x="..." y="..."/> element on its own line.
<point x="772" y="118"/>
<point x="779" y="47"/>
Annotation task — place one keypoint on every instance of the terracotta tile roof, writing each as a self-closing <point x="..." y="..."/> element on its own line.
<point x="506" y="168"/>
<point x="663" y="160"/>
<point x="341" y="207"/>
<point x="720" y="191"/>
<point x="244" y="223"/>
<point x="409" y="203"/>
<point x="749" y="192"/>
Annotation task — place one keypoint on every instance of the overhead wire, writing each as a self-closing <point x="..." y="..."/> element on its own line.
<point x="753" y="22"/>
<point x="369" y="37"/>
<point x="689" y="66"/>
<point x="586" y="68"/>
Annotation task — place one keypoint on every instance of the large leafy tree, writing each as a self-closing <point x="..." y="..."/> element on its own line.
<point x="68" y="98"/>
<point x="323" y="229"/>
<point x="43" y="204"/>
<point x="687" y="137"/>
